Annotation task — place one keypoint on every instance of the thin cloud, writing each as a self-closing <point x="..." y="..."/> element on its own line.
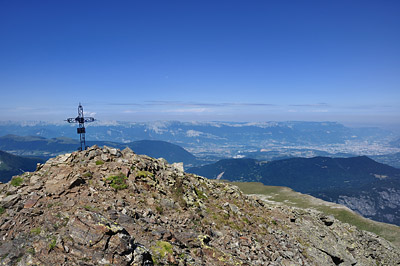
<point x="125" y="104"/>
<point x="193" y="104"/>
<point x="368" y="106"/>
<point x="319" y="111"/>
<point x="188" y="110"/>
<point x="129" y="111"/>
<point x="248" y="104"/>
<point x="310" y="105"/>
<point x="89" y="113"/>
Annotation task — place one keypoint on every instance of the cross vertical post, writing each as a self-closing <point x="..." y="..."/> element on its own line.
<point x="80" y="119"/>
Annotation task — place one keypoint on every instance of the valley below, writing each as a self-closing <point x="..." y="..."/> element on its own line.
<point x="108" y="206"/>
<point x="212" y="141"/>
<point x="324" y="159"/>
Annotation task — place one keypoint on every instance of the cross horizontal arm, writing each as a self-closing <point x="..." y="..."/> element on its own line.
<point x="71" y="120"/>
<point x="89" y="119"/>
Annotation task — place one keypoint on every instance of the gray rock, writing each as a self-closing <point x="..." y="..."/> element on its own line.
<point x="92" y="154"/>
<point x="104" y="157"/>
<point x="167" y="203"/>
<point x="113" y="151"/>
<point x="10" y="200"/>
<point x="327" y="220"/>
<point x="178" y="166"/>
<point x="234" y="208"/>
<point x="141" y="256"/>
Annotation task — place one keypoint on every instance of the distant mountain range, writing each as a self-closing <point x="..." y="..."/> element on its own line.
<point x="360" y="183"/>
<point x="223" y="139"/>
<point x="42" y="147"/>
<point x="392" y="159"/>
<point x="11" y="165"/>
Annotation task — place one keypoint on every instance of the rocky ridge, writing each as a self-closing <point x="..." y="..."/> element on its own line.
<point x="367" y="187"/>
<point x="104" y="206"/>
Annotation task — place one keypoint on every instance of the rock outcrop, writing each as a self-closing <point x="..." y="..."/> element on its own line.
<point x="378" y="203"/>
<point x="104" y="206"/>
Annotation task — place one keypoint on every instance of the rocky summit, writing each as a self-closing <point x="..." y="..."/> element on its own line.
<point x="104" y="206"/>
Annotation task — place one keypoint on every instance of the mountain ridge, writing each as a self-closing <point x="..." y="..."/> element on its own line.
<point x="206" y="137"/>
<point x="302" y="172"/>
<point x="40" y="146"/>
<point x="106" y="206"/>
<point x="332" y="179"/>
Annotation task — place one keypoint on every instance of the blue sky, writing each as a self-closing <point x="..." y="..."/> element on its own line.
<point x="201" y="60"/>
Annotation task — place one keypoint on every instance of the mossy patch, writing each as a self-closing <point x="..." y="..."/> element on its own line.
<point x="2" y="210"/>
<point x="99" y="162"/>
<point x="88" y="174"/>
<point x="161" y="250"/>
<point x="52" y="243"/>
<point x="17" y="181"/>
<point x="144" y="174"/>
<point x="88" y="207"/>
<point x="36" y="231"/>
<point x="159" y="209"/>
<point x="117" y="182"/>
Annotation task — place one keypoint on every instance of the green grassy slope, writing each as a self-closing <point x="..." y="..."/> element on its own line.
<point x="11" y="165"/>
<point x="285" y="195"/>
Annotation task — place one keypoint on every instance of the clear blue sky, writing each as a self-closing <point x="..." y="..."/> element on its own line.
<point x="201" y="60"/>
